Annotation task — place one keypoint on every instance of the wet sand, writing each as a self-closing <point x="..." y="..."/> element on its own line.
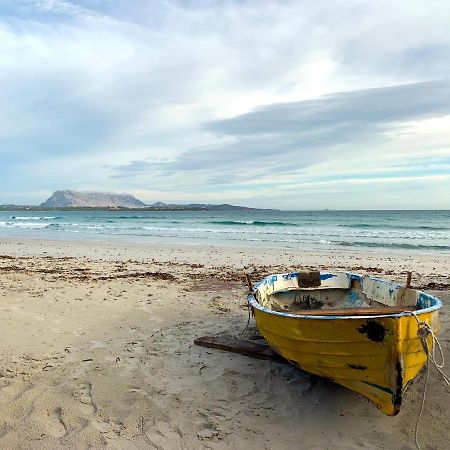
<point x="97" y="351"/>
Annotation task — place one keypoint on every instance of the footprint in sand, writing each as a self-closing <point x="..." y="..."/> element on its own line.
<point x="206" y="428"/>
<point x="222" y="413"/>
<point x="85" y="394"/>
<point x="82" y="368"/>
<point x="56" y="426"/>
<point x="161" y="435"/>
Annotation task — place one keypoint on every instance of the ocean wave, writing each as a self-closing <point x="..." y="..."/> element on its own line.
<point x="237" y="238"/>
<point x="25" y="225"/>
<point x="259" y="223"/>
<point x="131" y="217"/>
<point x="393" y="245"/>
<point x="393" y="227"/>
<point x="152" y="216"/>
<point x="230" y="231"/>
<point x="33" y="217"/>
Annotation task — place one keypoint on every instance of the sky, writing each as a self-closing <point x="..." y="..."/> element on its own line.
<point x="279" y="104"/>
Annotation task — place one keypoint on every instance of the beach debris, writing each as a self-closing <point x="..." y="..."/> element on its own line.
<point x="153" y="275"/>
<point x="241" y="346"/>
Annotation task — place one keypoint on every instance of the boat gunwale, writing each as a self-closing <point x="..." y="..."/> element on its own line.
<point x="251" y="299"/>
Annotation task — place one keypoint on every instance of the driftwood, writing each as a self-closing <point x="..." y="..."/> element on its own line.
<point x="242" y="346"/>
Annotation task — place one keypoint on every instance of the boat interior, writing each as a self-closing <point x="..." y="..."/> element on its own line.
<point x="319" y="293"/>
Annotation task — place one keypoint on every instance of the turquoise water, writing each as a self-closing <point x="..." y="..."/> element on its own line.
<point x="407" y="230"/>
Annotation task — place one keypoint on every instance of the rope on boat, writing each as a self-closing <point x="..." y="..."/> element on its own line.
<point x="424" y="330"/>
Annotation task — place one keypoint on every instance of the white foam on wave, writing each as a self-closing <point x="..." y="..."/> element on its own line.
<point x="26" y="225"/>
<point x="33" y="217"/>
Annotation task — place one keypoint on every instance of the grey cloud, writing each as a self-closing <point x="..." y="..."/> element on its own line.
<point x="370" y="107"/>
<point x="278" y="138"/>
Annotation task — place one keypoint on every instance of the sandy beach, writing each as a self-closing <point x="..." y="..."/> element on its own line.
<point x="97" y="351"/>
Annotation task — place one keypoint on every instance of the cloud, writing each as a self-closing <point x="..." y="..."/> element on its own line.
<point x="282" y="136"/>
<point x="367" y="108"/>
<point x="241" y="98"/>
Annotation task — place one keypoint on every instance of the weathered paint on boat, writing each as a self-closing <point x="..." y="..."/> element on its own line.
<point x="376" y="356"/>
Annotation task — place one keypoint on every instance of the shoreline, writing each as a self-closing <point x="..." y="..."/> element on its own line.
<point x="422" y="264"/>
<point x="148" y="241"/>
<point x="164" y="242"/>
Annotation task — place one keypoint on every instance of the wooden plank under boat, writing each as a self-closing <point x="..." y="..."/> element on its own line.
<point x="358" y="331"/>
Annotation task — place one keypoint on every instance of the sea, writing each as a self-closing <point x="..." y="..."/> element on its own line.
<point x="376" y="230"/>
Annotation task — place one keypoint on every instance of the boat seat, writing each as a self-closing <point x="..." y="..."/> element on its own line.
<point x="354" y="311"/>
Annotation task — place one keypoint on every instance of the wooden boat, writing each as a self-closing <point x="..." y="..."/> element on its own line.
<point x="358" y="331"/>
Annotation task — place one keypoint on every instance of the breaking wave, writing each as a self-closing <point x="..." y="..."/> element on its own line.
<point x="33" y="217"/>
<point x="393" y="245"/>
<point x="259" y="223"/>
<point x="26" y="225"/>
<point x="394" y="227"/>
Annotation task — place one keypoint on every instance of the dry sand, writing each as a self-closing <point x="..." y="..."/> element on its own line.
<point x="97" y="351"/>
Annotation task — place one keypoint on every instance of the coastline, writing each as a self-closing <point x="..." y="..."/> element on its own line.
<point x="97" y="350"/>
<point x="423" y="264"/>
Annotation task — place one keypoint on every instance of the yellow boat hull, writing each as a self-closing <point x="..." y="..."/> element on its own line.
<point x="376" y="357"/>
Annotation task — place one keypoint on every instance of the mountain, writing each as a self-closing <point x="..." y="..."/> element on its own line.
<point x="75" y="199"/>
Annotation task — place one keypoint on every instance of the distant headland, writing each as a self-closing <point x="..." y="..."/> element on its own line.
<point x="69" y="200"/>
